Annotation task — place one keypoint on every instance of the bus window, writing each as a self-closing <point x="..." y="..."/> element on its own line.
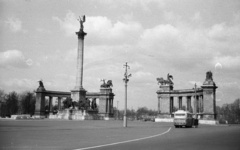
<point x="180" y="115"/>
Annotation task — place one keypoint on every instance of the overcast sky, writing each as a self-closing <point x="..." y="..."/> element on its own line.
<point x="184" y="38"/>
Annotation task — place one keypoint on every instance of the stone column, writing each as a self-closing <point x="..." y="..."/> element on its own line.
<point x="180" y="102"/>
<point x="197" y="104"/>
<point x="40" y="103"/>
<point x="79" y="93"/>
<point x="50" y="105"/>
<point x="189" y="103"/>
<point x="80" y="58"/>
<point x="111" y="106"/>
<point x="171" y="104"/>
<point x="107" y="106"/>
<point x="201" y="104"/>
<point x="59" y="104"/>
<point x="159" y="105"/>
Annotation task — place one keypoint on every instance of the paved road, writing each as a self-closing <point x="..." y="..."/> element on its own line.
<point x="70" y="135"/>
<point x="203" y="138"/>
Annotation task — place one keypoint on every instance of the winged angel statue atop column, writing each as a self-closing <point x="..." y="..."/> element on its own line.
<point x="81" y="21"/>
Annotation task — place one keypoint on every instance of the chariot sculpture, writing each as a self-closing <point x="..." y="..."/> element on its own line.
<point x="166" y="82"/>
<point x="106" y="85"/>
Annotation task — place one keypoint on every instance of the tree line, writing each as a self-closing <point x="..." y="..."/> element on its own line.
<point x="229" y="113"/>
<point x="14" y="103"/>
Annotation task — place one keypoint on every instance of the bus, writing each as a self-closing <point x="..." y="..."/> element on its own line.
<point x="184" y="118"/>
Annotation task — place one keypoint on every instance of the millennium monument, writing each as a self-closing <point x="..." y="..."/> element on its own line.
<point x="90" y="105"/>
<point x="199" y="101"/>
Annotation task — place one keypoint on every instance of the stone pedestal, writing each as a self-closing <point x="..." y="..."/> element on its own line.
<point x="106" y="102"/>
<point x="166" y="87"/>
<point x="78" y="95"/>
<point x="40" y="103"/>
<point x="165" y="105"/>
<point x="164" y="100"/>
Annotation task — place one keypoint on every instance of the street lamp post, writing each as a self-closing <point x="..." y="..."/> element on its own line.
<point x="125" y="79"/>
<point x="117" y="110"/>
<point x="195" y="100"/>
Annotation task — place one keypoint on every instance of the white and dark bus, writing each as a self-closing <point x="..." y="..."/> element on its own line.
<point x="184" y="118"/>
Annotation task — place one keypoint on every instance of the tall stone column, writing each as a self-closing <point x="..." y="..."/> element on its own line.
<point x="159" y="105"/>
<point x="189" y="103"/>
<point x="107" y="105"/>
<point x="171" y="105"/>
<point x="50" y="105"/>
<point x="179" y="102"/>
<point x="79" y="93"/>
<point x="197" y="104"/>
<point x="59" y="103"/>
<point x="201" y="104"/>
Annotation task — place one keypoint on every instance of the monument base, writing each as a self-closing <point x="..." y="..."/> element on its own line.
<point x="209" y="122"/>
<point x="164" y="116"/>
<point x="73" y="114"/>
<point x="38" y="117"/>
<point x="208" y="116"/>
<point x="18" y="117"/>
<point x="163" y="119"/>
<point x="78" y="94"/>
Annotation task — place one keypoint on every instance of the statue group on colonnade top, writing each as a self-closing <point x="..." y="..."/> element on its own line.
<point x="166" y="82"/>
<point x="106" y="85"/>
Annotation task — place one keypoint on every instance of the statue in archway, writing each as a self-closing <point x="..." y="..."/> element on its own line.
<point x="94" y="104"/>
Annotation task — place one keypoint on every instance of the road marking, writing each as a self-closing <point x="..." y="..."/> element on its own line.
<point x="128" y="141"/>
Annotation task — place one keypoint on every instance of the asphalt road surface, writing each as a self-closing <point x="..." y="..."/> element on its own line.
<point x="69" y="135"/>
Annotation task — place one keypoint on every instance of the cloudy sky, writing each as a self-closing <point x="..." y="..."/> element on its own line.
<point x="184" y="38"/>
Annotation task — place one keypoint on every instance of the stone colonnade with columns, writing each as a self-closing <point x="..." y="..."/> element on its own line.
<point x="200" y="101"/>
<point x="105" y="97"/>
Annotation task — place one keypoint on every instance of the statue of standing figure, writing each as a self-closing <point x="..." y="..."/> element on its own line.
<point x="209" y="79"/>
<point x="81" y="21"/>
<point x="41" y="83"/>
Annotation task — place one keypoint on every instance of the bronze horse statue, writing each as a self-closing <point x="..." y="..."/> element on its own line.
<point x="107" y="85"/>
<point x="165" y="82"/>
